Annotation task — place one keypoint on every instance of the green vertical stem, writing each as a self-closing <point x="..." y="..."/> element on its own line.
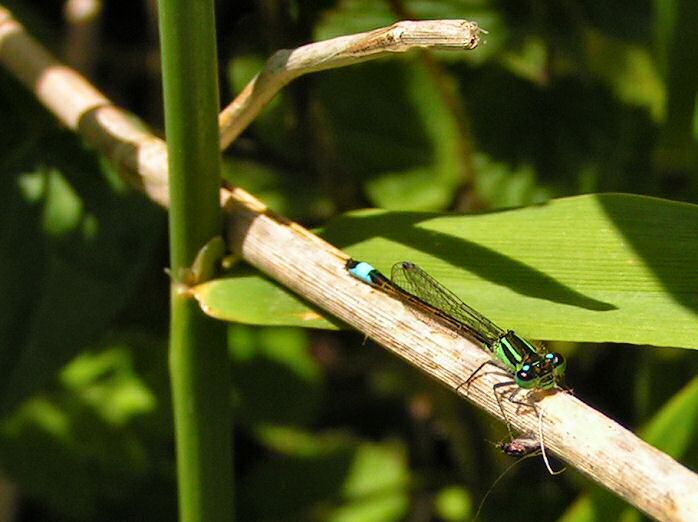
<point x="198" y="356"/>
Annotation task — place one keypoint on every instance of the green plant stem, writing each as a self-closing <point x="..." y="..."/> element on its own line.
<point x="200" y="388"/>
<point x="198" y="356"/>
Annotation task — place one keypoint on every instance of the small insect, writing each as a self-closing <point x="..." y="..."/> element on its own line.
<point x="523" y="446"/>
<point x="528" y="445"/>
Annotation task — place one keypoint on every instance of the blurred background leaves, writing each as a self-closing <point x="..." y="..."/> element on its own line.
<point x="560" y="99"/>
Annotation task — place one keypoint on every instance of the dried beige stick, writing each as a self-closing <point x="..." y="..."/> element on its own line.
<point x="287" y="64"/>
<point x="586" y="439"/>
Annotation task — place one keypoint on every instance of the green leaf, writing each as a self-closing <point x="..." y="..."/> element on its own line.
<point x="276" y="380"/>
<point x="430" y="187"/>
<point x="345" y="483"/>
<point x="628" y="69"/>
<point x="590" y="268"/>
<point x="87" y="447"/>
<point x="375" y="488"/>
<point x="571" y="132"/>
<point x="675" y="426"/>
<point x="454" y="504"/>
<point x="73" y="246"/>
<point x="253" y="299"/>
<point x="610" y="267"/>
<point x="279" y="188"/>
<point x="409" y="131"/>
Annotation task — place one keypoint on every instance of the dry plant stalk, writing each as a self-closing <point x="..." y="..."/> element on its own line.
<point x="288" y="64"/>
<point x="83" y="19"/>
<point x="583" y="437"/>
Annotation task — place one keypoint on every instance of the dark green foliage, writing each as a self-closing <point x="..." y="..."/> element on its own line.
<point x="561" y="99"/>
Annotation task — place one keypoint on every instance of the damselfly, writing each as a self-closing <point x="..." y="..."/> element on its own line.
<point x="531" y="367"/>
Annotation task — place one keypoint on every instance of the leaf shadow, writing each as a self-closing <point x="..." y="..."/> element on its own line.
<point x="462" y="253"/>
<point x="662" y="233"/>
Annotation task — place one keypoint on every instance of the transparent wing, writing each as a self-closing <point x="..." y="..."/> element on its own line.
<point x="412" y="279"/>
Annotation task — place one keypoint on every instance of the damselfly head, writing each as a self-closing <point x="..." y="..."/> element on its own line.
<point x="537" y="373"/>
